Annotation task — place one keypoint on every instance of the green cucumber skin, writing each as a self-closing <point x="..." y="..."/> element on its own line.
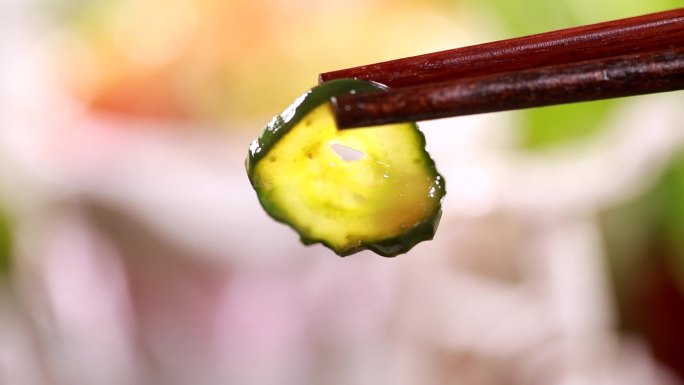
<point x="286" y="121"/>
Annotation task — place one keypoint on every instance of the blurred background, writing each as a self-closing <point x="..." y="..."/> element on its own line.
<point x="133" y="250"/>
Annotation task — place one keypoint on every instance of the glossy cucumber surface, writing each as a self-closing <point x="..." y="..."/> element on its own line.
<point x="386" y="197"/>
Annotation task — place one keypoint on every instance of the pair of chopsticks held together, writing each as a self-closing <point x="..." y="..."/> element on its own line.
<point x="627" y="57"/>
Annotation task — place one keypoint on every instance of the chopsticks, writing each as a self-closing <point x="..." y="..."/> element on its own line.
<point x="626" y="57"/>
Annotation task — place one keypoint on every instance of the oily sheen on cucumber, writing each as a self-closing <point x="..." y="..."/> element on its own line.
<point x="386" y="199"/>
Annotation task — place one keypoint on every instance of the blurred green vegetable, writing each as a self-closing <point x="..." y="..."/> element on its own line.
<point x="544" y="127"/>
<point x="5" y="245"/>
<point x="670" y="201"/>
<point x="648" y="227"/>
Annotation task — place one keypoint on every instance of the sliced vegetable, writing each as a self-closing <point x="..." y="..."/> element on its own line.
<point x="384" y="194"/>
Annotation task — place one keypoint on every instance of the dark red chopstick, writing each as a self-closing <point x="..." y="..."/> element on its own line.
<point x="664" y="30"/>
<point x="629" y="75"/>
<point x="620" y="58"/>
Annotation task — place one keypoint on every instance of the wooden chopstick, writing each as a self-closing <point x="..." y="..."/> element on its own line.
<point x="636" y="45"/>
<point x="620" y="37"/>
<point x="629" y="75"/>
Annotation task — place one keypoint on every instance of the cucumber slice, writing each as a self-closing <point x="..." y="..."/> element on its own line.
<point x="385" y="197"/>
